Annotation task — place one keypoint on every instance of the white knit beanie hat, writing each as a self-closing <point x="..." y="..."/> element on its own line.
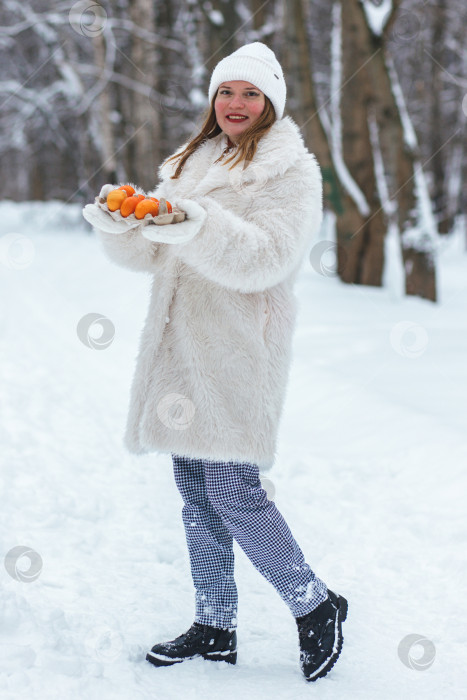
<point x="256" y="64"/>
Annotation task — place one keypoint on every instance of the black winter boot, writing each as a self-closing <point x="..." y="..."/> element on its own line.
<point x="209" y="642"/>
<point x="320" y="634"/>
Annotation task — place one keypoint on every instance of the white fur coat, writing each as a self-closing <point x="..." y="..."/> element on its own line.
<point x="215" y="352"/>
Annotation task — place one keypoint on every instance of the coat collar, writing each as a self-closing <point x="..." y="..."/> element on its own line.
<point x="280" y="148"/>
<point x="277" y="151"/>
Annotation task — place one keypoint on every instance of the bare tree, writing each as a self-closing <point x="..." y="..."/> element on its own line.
<point x="399" y="149"/>
<point x="304" y="108"/>
<point x="107" y="93"/>
<point x="366" y="244"/>
<point x="141" y="109"/>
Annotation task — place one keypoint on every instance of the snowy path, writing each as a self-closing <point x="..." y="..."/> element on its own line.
<point x="370" y="476"/>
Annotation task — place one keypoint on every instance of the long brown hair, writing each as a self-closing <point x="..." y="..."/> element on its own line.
<point x="247" y="144"/>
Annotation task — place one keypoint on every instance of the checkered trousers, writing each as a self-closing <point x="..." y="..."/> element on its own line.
<point x="225" y="500"/>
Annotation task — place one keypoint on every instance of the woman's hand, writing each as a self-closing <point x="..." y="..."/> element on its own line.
<point x="104" y="221"/>
<point x="98" y="215"/>
<point x="179" y="232"/>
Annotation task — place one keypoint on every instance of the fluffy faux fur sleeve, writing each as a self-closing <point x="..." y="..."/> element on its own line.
<point x="260" y="248"/>
<point x="130" y="250"/>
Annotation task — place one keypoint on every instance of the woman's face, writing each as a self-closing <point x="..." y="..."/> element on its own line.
<point x="238" y="105"/>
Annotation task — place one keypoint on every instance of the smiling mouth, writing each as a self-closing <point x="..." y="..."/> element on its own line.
<point x="236" y="117"/>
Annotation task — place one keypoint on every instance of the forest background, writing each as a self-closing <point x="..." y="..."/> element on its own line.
<point x="96" y="92"/>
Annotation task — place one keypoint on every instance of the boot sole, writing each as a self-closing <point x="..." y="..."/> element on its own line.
<point x="229" y="656"/>
<point x="338" y="641"/>
<point x="160" y="660"/>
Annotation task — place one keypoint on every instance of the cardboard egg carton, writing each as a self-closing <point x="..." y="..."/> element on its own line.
<point x="164" y="217"/>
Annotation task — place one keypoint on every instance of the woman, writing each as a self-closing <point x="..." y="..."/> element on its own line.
<point x="215" y="352"/>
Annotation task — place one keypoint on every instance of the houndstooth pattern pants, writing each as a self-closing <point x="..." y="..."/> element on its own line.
<point x="225" y="500"/>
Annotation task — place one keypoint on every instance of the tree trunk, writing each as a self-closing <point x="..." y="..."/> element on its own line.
<point x="221" y="36"/>
<point x="259" y="13"/>
<point x="142" y="111"/>
<point x="367" y="243"/>
<point x="108" y="172"/>
<point x="303" y="108"/>
<point x="444" y="218"/>
<point x="396" y="150"/>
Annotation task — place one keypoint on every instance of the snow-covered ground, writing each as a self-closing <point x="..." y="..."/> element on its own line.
<point x="371" y="477"/>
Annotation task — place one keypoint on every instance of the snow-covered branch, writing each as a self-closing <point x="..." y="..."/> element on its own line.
<point x="43" y="20"/>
